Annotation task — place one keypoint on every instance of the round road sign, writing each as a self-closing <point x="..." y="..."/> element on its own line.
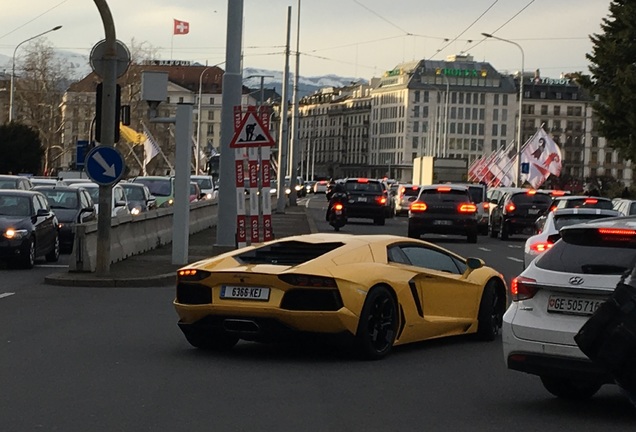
<point x="98" y="63"/>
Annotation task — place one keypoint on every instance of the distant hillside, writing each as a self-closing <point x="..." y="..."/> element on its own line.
<point x="79" y="67"/>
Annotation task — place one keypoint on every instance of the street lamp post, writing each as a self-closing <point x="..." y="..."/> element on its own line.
<point x="196" y="151"/>
<point x="12" y="84"/>
<point x="520" y="103"/>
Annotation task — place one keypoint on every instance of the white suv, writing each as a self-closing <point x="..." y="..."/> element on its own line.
<point x="556" y="295"/>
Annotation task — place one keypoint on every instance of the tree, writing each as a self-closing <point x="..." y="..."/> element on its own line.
<point x="613" y="79"/>
<point x="21" y="149"/>
<point x="39" y="91"/>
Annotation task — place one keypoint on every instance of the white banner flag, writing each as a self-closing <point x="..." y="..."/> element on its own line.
<point x="543" y="156"/>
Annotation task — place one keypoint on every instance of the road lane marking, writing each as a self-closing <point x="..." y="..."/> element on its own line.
<point x="515" y="246"/>
<point x="51" y="265"/>
<point x="484" y="249"/>
<point x="515" y="259"/>
<point x="7" y="294"/>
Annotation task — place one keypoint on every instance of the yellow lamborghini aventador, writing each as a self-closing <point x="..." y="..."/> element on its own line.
<point x="380" y="290"/>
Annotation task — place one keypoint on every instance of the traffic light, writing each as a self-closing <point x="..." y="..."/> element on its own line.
<point x="98" y="112"/>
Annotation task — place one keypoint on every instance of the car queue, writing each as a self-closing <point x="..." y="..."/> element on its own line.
<point x="38" y="216"/>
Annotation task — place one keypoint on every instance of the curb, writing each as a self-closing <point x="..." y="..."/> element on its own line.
<point x="66" y="279"/>
<point x="313" y="228"/>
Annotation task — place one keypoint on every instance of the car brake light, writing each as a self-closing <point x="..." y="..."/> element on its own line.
<point x="485" y="205"/>
<point x="590" y="201"/>
<point x="338" y="206"/>
<point x="415" y="187"/>
<point x="467" y="208"/>
<point x="510" y="208"/>
<point x="617" y="231"/>
<point x="309" y="281"/>
<point x="553" y="208"/>
<point x="189" y="275"/>
<point x="523" y="288"/>
<point x="381" y="199"/>
<point x="541" y="246"/>
<point x="557" y="193"/>
<point x="363" y="180"/>
<point x="443" y="189"/>
<point x="532" y="192"/>
<point x="418" y="207"/>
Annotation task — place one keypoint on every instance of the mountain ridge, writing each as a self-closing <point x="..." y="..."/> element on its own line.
<point x="80" y="67"/>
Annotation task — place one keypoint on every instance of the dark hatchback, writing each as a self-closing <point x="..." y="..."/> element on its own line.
<point x="366" y="199"/>
<point x="28" y="228"/>
<point x="443" y="209"/>
<point x="71" y="206"/>
<point x="517" y="213"/>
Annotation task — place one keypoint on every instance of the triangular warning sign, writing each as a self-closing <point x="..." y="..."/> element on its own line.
<point x="251" y="133"/>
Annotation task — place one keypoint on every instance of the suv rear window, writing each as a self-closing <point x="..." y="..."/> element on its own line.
<point x="586" y="202"/>
<point x="525" y="198"/>
<point x="477" y="193"/>
<point x="410" y="191"/>
<point x="569" y="258"/>
<point x="355" y="186"/>
<point x="573" y="219"/>
<point x="430" y="195"/>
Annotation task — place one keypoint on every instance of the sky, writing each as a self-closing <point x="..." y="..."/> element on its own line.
<point x="349" y="38"/>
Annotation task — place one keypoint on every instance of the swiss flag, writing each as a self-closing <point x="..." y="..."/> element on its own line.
<point x="181" y="27"/>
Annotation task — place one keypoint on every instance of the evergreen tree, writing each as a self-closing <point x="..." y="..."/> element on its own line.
<point x="21" y="149"/>
<point x="613" y="79"/>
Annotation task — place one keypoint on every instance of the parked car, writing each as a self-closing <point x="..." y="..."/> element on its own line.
<point x="407" y="193"/>
<point x="139" y="198"/>
<point x="206" y="184"/>
<point x="367" y="199"/>
<point x="161" y="187"/>
<point x="71" y="205"/>
<point x="556" y="294"/>
<point x="28" y="227"/>
<point x="443" y="209"/>
<point x="15" y="182"/>
<point x="517" y="212"/>
<point x="119" y="203"/>
<point x="548" y="233"/>
<point x="380" y="291"/>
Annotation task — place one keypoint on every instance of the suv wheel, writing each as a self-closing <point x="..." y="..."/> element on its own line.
<point x="503" y="232"/>
<point x="380" y="220"/>
<point x="570" y="389"/>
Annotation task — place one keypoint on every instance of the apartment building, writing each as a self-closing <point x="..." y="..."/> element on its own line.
<point x="185" y="82"/>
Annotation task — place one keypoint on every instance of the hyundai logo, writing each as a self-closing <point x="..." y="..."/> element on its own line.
<point x="576" y="280"/>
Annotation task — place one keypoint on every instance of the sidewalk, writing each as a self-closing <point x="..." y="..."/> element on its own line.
<point x="155" y="268"/>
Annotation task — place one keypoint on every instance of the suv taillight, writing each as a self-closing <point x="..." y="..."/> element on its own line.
<point x="381" y="200"/>
<point x="511" y="208"/>
<point x="467" y="208"/>
<point x="418" y="207"/>
<point x="523" y="288"/>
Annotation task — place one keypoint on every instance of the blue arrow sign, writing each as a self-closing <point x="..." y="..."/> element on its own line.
<point x="104" y="165"/>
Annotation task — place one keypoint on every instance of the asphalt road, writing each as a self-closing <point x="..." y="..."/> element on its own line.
<point x="113" y="359"/>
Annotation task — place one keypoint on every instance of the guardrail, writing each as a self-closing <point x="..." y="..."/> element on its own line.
<point x="133" y="235"/>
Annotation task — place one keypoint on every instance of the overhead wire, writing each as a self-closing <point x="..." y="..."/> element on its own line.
<point x="30" y="21"/>
<point x="507" y="22"/>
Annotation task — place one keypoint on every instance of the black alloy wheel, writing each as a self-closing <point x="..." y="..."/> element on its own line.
<point x="54" y="254"/>
<point x="378" y="324"/>
<point x="490" y="316"/>
<point x="27" y="261"/>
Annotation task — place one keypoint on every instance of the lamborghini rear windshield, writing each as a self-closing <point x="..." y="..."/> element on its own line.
<point x="289" y="253"/>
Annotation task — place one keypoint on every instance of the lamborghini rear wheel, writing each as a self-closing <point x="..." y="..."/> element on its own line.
<point x="378" y="324"/>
